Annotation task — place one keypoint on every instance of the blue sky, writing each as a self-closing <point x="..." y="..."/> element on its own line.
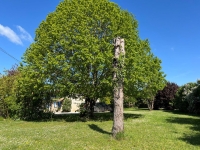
<point x="172" y="27"/>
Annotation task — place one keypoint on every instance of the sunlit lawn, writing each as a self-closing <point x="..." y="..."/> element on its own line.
<point x="144" y="130"/>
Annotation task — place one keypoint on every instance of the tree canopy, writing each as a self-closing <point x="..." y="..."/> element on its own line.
<point x="73" y="48"/>
<point x="72" y="55"/>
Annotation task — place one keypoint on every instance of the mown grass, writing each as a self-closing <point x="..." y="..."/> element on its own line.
<point x="144" y="130"/>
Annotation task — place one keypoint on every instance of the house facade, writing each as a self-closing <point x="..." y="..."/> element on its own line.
<point x="57" y="105"/>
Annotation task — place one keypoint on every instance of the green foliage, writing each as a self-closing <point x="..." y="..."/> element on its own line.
<point x="107" y="100"/>
<point x="73" y="52"/>
<point x="188" y="98"/>
<point x="1" y="118"/>
<point x="151" y="78"/>
<point x="194" y="99"/>
<point x="33" y="95"/>
<point x="120" y="136"/>
<point x="74" y="45"/>
<point x="66" y="105"/>
<point x="129" y="101"/>
<point x="73" y="49"/>
<point x="84" y="112"/>
<point x="8" y="101"/>
<point x="165" y="98"/>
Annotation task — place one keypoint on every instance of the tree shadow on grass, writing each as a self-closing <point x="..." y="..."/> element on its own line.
<point x="98" y="129"/>
<point x="106" y="116"/>
<point x="192" y="138"/>
<point x="181" y="113"/>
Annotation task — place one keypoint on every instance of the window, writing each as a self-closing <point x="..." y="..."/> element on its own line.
<point x="55" y="105"/>
<point x="59" y="104"/>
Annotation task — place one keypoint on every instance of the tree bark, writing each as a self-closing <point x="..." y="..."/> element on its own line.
<point x="118" y="120"/>
<point x="92" y="103"/>
<point x="150" y="104"/>
<point x="89" y="106"/>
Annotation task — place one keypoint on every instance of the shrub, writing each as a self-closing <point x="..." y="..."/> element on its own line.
<point x="164" y="98"/>
<point x="180" y="101"/>
<point x="66" y="106"/>
<point x="188" y="98"/>
<point x="129" y="102"/>
<point x="106" y="100"/>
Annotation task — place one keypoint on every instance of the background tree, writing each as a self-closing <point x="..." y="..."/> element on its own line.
<point x="8" y="100"/>
<point x="129" y="101"/>
<point x="187" y="98"/>
<point x="151" y="78"/>
<point x="34" y="94"/>
<point x="164" y="98"/>
<point x="194" y="99"/>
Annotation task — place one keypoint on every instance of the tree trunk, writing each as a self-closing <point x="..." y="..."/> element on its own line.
<point x="89" y="106"/>
<point x="118" y="124"/>
<point x="92" y="103"/>
<point x="150" y="104"/>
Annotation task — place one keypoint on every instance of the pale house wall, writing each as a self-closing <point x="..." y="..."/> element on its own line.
<point x="75" y="105"/>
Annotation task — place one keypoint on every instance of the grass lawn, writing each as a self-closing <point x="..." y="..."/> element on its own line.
<point x="144" y="130"/>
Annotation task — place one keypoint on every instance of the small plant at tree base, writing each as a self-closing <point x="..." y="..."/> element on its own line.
<point x="120" y="136"/>
<point x="1" y="118"/>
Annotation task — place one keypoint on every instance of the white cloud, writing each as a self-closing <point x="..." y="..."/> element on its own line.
<point x="14" y="37"/>
<point x="10" y="34"/>
<point x="24" y="34"/>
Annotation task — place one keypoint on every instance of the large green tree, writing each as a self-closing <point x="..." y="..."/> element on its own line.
<point x="73" y="49"/>
<point x="73" y="46"/>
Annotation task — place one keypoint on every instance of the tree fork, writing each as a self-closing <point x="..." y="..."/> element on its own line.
<point x="118" y="78"/>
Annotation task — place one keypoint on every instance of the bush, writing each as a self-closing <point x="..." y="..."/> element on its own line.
<point x="187" y="98"/>
<point x="84" y="112"/>
<point x="8" y="97"/>
<point x="194" y="100"/>
<point x="106" y="100"/>
<point x="180" y="101"/>
<point x="164" y="98"/>
<point x="129" y="102"/>
<point x="66" y="106"/>
<point x="140" y="103"/>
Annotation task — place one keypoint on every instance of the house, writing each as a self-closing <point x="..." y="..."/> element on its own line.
<point x="57" y="105"/>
